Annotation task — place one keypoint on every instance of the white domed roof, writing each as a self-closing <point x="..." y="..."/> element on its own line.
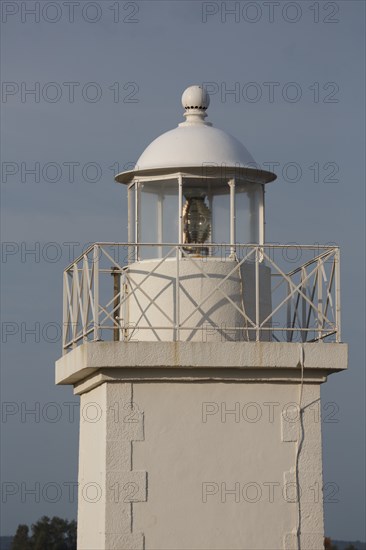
<point x="195" y="144"/>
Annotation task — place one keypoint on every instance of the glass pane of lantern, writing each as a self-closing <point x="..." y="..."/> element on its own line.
<point x="247" y="203"/>
<point x="196" y="216"/>
<point x="158" y="216"/>
<point x="170" y="213"/>
<point x="221" y="220"/>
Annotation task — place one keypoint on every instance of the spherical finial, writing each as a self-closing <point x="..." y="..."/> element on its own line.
<point x="195" y="97"/>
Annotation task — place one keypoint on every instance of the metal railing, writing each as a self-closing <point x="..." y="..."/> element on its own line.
<point x="304" y="293"/>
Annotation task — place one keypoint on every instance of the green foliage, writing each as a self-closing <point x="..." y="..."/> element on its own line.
<point x="21" y="539"/>
<point x="50" y="534"/>
<point x="328" y="545"/>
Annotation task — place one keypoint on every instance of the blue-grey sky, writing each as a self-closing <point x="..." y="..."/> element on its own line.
<point x="108" y="78"/>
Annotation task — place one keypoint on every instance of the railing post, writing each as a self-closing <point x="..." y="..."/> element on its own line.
<point x="85" y="300"/>
<point x="232" y="218"/>
<point x="96" y="292"/>
<point x="320" y="320"/>
<point x="337" y="260"/>
<point x="65" y="309"/>
<point x="304" y="333"/>
<point x="75" y="303"/>
<point x="257" y="316"/>
<point x="124" y="312"/>
<point x="116" y="300"/>
<point x="177" y="297"/>
<point x="289" y="324"/>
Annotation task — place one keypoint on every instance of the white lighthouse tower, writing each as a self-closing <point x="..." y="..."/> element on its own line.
<point x="198" y="351"/>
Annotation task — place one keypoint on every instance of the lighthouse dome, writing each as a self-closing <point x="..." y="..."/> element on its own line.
<point x="195" y="143"/>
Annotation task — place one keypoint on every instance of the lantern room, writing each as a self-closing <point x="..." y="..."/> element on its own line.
<point x="194" y="185"/>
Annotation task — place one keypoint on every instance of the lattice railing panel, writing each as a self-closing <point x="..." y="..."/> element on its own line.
<point x="99" y="287"/>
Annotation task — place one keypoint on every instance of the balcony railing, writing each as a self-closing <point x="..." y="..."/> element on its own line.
<point x="101" y="287"/>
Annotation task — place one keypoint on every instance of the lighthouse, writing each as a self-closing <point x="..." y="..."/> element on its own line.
<point x="198" y="350"/>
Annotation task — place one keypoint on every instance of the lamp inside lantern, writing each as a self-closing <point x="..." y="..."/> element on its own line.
<point x="196" y="221"/>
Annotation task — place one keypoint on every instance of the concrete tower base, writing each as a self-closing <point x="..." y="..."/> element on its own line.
<point x="189" y="446"/>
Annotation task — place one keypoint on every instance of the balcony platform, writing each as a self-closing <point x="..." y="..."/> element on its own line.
<point x="94" y="363"/>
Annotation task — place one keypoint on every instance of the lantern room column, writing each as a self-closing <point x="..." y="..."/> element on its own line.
<point x="232" y="217"/>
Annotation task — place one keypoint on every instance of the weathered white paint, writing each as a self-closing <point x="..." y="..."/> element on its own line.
<point x="219" y="472"/>
<point x="187" y="436"/>
<point x="106" y="478"/>
<point x="239" y="357"/>
<point x="226" y="452"/>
